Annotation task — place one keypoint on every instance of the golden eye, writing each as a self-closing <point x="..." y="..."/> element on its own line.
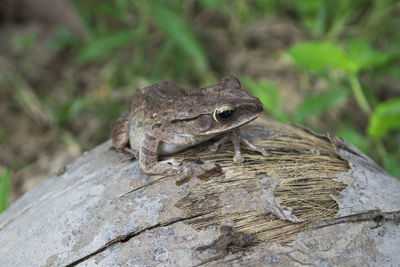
<point x="223" y="114"/>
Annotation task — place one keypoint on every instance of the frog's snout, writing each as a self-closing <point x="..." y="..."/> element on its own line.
<point x="260" y="108"/>
<point x="259" y="105"/>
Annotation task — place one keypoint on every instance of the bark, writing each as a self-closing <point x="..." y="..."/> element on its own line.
<point x="315" y="200"/>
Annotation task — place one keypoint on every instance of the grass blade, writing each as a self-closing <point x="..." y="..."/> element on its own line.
<point x="177" y="29"/>
<point x="4" y="189"/>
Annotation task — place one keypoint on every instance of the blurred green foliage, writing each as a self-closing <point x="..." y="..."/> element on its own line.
<point x="385" y="118"/>
<point x="317" y="104"/>
<point x="324" y="59"/>
<point x="350" y="40"/>
<point x="358" y="39"/>
<point x="175" y="51"/>
<point x="22" y="43"/>
<point x="352" y="47"/>
<point x="318" y="56"/>
<point x="269" y="94"/>
<point x="4" y="189"/>
<point x="103" y="46"/>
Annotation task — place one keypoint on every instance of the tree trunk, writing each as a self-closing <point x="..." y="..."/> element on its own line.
<point x="315" y="200"/>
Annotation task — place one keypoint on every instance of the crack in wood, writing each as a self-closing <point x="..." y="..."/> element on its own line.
<point x="127" y="237"/>
<point x="373" y="215"/>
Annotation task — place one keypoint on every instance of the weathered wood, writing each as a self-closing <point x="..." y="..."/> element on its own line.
<point x="315" y="200"/>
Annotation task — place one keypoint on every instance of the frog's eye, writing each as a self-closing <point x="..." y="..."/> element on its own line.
<point x="223" y="114"/>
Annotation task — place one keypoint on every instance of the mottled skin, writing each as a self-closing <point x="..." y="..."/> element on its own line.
<point x="164" y="119"/>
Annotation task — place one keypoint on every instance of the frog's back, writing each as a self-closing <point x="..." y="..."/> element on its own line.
<point x="158" y="98"/>
<point x="165" y="101"/>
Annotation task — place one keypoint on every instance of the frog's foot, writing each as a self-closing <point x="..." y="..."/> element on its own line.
<point x="184" y="172"/>
<point x="170" y="168"/>
<point x="236" y="138"/>
<point x="171" y="161"/>
<point x="161" y="169"/>
<point x="246" y="142"/>
<point x="206" y="170"/>
<point x="202" y="171"/>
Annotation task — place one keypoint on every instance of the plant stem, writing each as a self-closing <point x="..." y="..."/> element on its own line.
<point x="359" y="94"/>
<point x="4" y="189"/>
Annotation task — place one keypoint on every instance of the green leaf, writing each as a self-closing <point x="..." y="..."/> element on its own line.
<point x="385" y="117"/>
<point x="366" y="56"/>
<point x="320" y="55"/>
<point x="317" y="104"/>
<point x="4" y="189"/>
<point x="269" y="95"/>
<point x="177" y="29"/>
<point x="105" y="45"/>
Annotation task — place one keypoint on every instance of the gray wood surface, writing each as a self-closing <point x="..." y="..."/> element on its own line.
<point x="315" y="200"/>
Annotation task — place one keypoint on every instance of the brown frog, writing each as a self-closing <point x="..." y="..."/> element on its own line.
<point x="164" y="119"/>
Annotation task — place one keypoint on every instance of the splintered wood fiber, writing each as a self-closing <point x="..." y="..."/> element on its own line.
<point x="303" y="163"/>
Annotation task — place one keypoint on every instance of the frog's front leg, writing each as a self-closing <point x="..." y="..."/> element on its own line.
<point x="149" y="163"/>
<point x="236" y="138"/>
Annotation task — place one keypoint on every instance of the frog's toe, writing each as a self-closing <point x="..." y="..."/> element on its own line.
<point x="238" y="158"/>
<point x="185" y="173"/>
<point x="264" y="152"/>
<point x="208" y="166"/>
<point x="213" y="147"/>
<point x="171" y="161"/>
<point x="188" y="171"/>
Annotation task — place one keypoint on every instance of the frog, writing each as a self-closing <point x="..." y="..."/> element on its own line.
<point x="164" y="119"/>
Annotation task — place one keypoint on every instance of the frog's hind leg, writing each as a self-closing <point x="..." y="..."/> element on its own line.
<point x="120" y="136"/>
<point x="149" y="158"/>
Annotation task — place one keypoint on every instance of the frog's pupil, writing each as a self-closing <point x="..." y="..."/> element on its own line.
<point x="226" y="114"/>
